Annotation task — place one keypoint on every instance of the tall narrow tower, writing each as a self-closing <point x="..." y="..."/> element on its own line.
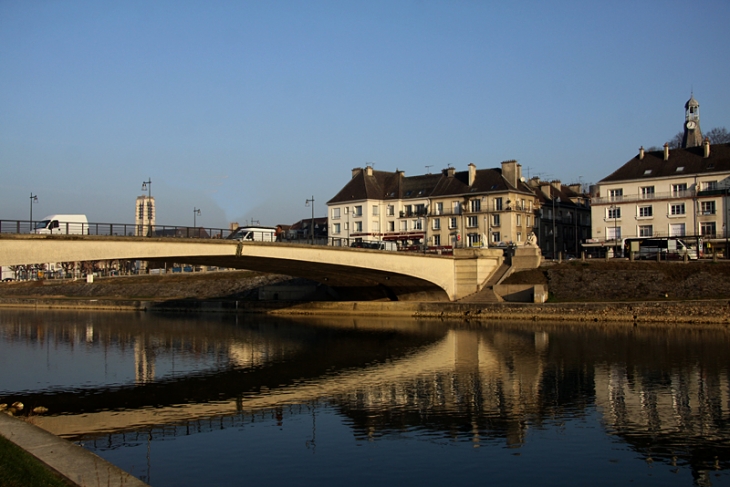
<point x="692" y="133"/>
<point x="144" y="217"/>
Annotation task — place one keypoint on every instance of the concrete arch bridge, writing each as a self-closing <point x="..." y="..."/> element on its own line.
<point x="353" y="274"/>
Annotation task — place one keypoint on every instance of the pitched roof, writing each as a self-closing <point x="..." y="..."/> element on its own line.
<point x="383" y="185"/>
<point x="681" y="162"/>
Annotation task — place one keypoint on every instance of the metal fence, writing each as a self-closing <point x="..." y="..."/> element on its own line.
<point x="116" y="229"/>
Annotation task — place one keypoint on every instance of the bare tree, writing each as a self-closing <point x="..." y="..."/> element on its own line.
<point x="718" y="135"/>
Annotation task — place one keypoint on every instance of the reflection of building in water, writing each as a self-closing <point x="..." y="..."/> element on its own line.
<point x="488" y="380"/>
<point x="144" y="362"/>
<point x="687" y="410"/>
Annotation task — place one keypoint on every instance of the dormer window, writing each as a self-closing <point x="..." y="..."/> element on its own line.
<point x="647" y="172"/>
<point x="680" y="168"/>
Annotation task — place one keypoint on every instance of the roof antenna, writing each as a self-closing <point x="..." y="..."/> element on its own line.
<point x="428" y="169"/>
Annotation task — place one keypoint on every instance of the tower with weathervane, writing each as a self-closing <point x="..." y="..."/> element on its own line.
<point x="692" y="133"/>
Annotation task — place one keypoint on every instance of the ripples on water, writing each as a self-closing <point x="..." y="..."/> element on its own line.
<point x="224" y="400"/>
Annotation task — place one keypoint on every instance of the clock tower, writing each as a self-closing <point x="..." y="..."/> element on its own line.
<point x="692" y="134"/>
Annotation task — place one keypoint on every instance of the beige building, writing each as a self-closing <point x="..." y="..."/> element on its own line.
<point x="682" y="192"/>
<point x="472" y="208"/>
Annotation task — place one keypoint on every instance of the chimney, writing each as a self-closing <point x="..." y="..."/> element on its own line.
<point x="666" y="151"/>
<point x="576" y="188"/>
<point x="368" y="170"/>
<point x="355" y="172"/>
<point x="706" y="146"/>
<point x="450" y="172"/>
<point x="472" y="173"/>
<point x="512" y="172"/>
<point x="641" y="152"/>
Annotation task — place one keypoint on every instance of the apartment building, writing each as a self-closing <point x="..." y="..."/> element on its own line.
<point x="472" y="208"/>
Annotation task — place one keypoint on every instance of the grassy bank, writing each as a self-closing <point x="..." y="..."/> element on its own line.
<point x="19" y="468"/>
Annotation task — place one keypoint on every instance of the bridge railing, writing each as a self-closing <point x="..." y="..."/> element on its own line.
<point x="168" y="231"/>
<point x="115" y="229"/>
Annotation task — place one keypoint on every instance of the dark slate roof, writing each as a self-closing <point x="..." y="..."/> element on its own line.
<point x="384" y="185"/>
<point x="691" y="160"/>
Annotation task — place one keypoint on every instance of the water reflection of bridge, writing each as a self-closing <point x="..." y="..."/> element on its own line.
<point x="666" y="393"/>
<point x="438" y="376"/>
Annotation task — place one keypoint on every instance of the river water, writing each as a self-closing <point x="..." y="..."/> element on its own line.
<point x="191" y="400"/>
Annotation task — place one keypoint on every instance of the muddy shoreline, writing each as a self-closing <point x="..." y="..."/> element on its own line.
<point x="714" y="312"/>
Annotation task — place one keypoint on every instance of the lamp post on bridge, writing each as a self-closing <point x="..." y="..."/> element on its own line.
<point x="196" y="212"/>
<point x="33" y="199"/>
<point x="311" y="229"/>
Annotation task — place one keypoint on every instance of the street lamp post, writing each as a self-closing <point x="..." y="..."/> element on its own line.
<point x="196" y="212"/>
<point x="147" y="186"/>
<point x="311" y="229"/>
<point x="555" y="253"/>
<point x="33" y="199"/>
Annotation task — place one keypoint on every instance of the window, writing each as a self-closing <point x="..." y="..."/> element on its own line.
<point x="375" y="225"/>
<point x="455" y="207"/>
<point x="404" y="225"/>
<point x="439" y="208"/>
<point x="471" y="222"/>
<point x="709" y="185"/>
<point x="436" y="224"/>
<point x="613" y="233"/>
<point x="495" y="220"/>
<point x="347" y="227"/>
<point x="335" y="213"/>
<point x="376" y="210"/>
<point x="420" y="209"/>
<point x="707" y="229"/>
<point x="417" y="225"/>
<point x="357" y="211"/>
<point x="613" y="213"/>
<point x="528" y="220"/>
<point x="519" y="236"/>
<point x="679" y="189"/>
<point x="452" y="222"/>
<point x="336" y="228"/>
<point x="646" y="230"/>
<point x="473" y="240"/>
<point x="708" y="207"/>
<point x="390" y="210"/>
<point x="496" y="237"/>
<point x="646" y="212"/>
<point x="437" y="240"/>
<point x="616" y="194"/>
<point x="676" y="230"/>
<point x="476" y="205"/>
<point x="647" y="192"/>
<point x="677" y="209"/>
<point x="391" y="226"/>
<point x="358" y="226"/>
<point x="498" y="204"/>
<point x="519" y="220"/>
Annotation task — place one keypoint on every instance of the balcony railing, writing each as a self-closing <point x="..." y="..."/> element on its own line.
<point x="669" y="195"/>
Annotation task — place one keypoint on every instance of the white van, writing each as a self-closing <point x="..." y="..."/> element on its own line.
<point x="62" y="225"/>
<point x="376" y="245"/>
<point x="255" y="234"/>
<point x="668" y="248"/>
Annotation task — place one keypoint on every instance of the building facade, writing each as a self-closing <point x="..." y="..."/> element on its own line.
<point x="472" y="208"/>
<point x="682" y="192"/>
<point x="564" y="219"/>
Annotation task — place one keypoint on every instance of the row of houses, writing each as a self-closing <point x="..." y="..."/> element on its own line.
<point x="664" y="193"/>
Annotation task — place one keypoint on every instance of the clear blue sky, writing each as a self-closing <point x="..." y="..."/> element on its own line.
<point x="247" y="109"/>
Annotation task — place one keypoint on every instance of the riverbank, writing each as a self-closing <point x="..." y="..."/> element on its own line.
<point x="594" y="291"/>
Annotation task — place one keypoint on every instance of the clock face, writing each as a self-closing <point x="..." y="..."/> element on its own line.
<point x="691" y="125"/>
